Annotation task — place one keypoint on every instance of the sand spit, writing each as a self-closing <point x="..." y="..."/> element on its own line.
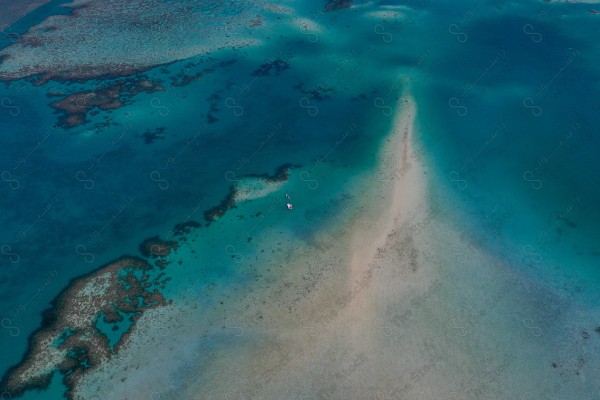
<point x="393" y="304"/>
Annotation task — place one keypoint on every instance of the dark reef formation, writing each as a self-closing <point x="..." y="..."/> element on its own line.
<point x="154" y="247"/>
<point x="184" y="228"/>
<point x="76" y="107"/>
<point x="69" y="340"/>
<point x="214" y="101"/>
<point x="257" y="21"/>
<point x="319" y="93"/>
<point x="190" y="72"/>
<point x="150" y="136"/>
<point x="225" y="205"/>
<point x="333" y="5"/>
<point x="277" y="66"/>
<point x="92" y="318"/>
<point x="281" y="174"/>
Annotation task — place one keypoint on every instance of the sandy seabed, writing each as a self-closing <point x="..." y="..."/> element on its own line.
<point x="399" y="305"/>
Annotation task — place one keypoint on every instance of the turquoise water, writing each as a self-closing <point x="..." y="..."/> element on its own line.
<point x="114" y="331"/>
<point x="508" y="116"/>
<point x="514" y="127"/>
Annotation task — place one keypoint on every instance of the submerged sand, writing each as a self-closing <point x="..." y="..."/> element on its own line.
<point x="393" y="304"/>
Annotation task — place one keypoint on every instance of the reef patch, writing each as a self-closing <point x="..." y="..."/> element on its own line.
<point x="70" y="341"/>
<point x="76" y="107"/>
<point x="155" y="247"/>
<point x="333" y="5"/>
<point x="150" y="136"/>
<point x="318" y="93"/>
<point x="93" y="317"/>
<point x="185" y="228"/>
<point x="249" y="187"/>
<point x="225" y="205"/>
<point x="276" y="66"/>
<point x="114" y="39"/>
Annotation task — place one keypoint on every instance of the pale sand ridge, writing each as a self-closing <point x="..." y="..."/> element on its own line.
<point x="390" y="313"/>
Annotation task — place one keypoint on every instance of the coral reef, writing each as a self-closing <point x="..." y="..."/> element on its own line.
<point x="184" y="228"/>
<point x="76" y="107"/>
<point x="226" y="204"/>
<point x="150" y="136"/>
<point x="74" y="337"/>
<point x="69" y="340"/>
<point x="155" y="247"/>
<point x="319" y="93"/>
<point x="333" y="5"/>
<point x="280" y="175"/>
<point x="109" y="39"/>
<point x="277" y="66"/>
